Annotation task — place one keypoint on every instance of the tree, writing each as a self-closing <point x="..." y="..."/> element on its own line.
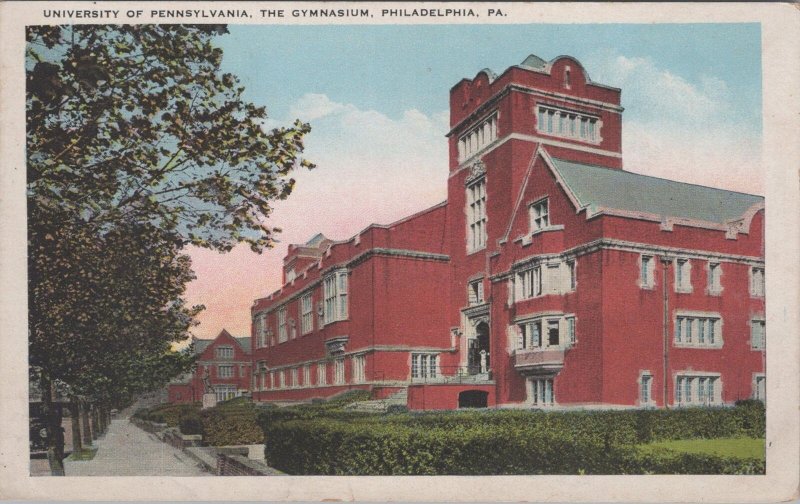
<point x="137" y="145"/>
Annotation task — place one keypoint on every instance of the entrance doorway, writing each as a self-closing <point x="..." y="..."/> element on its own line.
<point x="478" y="351"/>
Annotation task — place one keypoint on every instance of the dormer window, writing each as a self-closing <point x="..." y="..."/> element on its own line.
<point x="540" y="216"/>
<point x="568" y="124"/>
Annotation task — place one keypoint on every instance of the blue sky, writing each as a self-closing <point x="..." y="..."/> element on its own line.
<point x="377" y="101"/>
<point x="393" y="68"/>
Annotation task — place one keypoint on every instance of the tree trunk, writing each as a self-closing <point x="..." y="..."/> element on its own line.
<point x="74" y="414"/>
<point x="95" y="423"/>
<point x="87" y="430"/>
<point x="55" y="433"/>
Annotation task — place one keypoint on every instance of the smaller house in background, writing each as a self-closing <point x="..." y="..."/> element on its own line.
<point x="226" y="363"/>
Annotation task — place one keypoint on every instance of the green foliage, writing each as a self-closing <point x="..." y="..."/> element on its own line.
<point x="729" y="447"/>
<point x="231" y="423"/>
<point x="312" y="440"/>
<point x="190" y="423"/>
<point x="171" y="414"/>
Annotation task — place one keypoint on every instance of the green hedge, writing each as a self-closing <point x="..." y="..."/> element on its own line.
<point x="231" y="423"/>
<point x="169" y="414"/>
<point x="309" y="440"/>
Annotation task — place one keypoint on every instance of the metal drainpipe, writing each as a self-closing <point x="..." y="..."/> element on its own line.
<point x="665" y="261"/>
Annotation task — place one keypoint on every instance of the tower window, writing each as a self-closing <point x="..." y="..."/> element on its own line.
<point x="481" y="135"/>
<point x="568" y="124"/>
<point x="567" y="83"/>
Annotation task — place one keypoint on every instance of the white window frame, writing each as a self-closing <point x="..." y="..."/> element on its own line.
<point x="683" y="275"/>
<point x="224" y="392"/>
<point x="339" y="377"/>
<point x="282" y="379"/>
<point x="646" y="389"/>
<point x="475" y="292"/>
<point x="714" y="274"/>
<point x="359" y="367"/>
<point x="476" y="198"/>
<point x="322" y="373"/>
<point x="224" y="352"/>
<point x="306" y="313"/>
<point x="335" y="296"/>
<point x="273" y="383"/>
<point x="570" y="124"/>
<point x="530" y="282"/>
<point x="757" y="281"/>
<point x="572" y="274"/>
<point x="294" y="377"/>
<point x="539" y="212"/>
<point x="760" y="387"/>
<point x="283" y="334"/>
<point x="307" y="375"/>
<point x="424" y="366"/>
<point x="228" y="373"/>
<point x="542" y="392"/>
<point x="697" y="330"/>
<point x="697" y="396"/>
<point x="647" y="270"/>
<point x="760" y="343"/>
<point x="478" y="137"/>
<point x="567" y="325"/>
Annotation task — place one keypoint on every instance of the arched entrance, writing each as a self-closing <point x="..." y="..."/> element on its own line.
<point x="478" y="352"/>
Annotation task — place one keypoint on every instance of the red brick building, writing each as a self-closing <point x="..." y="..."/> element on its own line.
<point x="227" y="363"/>
<point x="550" y="277"/>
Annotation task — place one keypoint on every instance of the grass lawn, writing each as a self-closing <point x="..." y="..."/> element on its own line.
<point x="85" y="454"/>
<point x="732" y="447"/>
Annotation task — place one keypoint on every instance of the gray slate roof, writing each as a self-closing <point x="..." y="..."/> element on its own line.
<point x="597" y="186"/>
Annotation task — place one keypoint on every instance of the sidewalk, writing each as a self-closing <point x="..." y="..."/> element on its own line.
<point x="126" y="450"/>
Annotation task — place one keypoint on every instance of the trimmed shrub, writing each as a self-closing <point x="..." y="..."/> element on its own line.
<point x="396" y="408"/>
<point x="664" y="461"/>
<point x="190" y="423"/>
<point x="231" y="424"/>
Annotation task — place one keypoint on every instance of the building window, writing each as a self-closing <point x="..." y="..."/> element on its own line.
<point x="359" y="368"/>
<point x="568" y="124"/>
<point x="530" y="335"/>
<point x="224" y="352"/>
<point x="282" y="378"/>
<point x="647" y="272"/>
<point x="697" y="390"/>
<point x="757" y="282"/>
<point x="758" y="334"/>
<point x="571" y="330"/>
<point x="272" y="380"/>
<point x="424" y="365"/>
<point x="540" y="218"/>
<point x="552" y="333"/>
<point x="760" y="387"/>
<point x="260" y="323"/>
<point x="646" y="388"/>
<point x="224" y="392"/>
<point x="241" y="371"/>
<point x="338" y="371"/>
<point x="262" y="375"/>
<point x="698" y="331"/>
<point x="476" y="216"/>
<point x="294" y="376"/>
<point x="542" y="393"/>
<point x="307" y="375"/>
<point x="530" y="282"/>
<point x="335" y="291"/>
<point x="282" y="333"/>
<point x="484" y="133"/>
<point x="225" y="371"/>
<point x="573" y="275"/>
<point x="322" y="374"/>
<point x="714" y="278"/>
<point x="683" y="275"/>
<point x="475" y="292"/>
<point x="306" y="314"/>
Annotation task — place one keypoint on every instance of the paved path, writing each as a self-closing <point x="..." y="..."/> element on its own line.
<point x="127" y="450"/>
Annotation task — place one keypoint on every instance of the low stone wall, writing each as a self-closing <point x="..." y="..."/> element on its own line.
<point x="240" y="465"/>
<point x="173" y="437"/>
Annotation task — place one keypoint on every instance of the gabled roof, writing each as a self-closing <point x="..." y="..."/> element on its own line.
<point x="200" y="345"/>
<point x="597" y="188"/>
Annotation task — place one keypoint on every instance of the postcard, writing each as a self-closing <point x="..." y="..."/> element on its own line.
<point x="399" y="251"/>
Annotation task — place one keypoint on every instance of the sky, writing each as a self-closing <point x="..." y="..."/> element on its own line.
<point x="377" y="101"/>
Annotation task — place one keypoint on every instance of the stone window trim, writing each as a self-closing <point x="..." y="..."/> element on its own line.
<point x="647" y="271"/>
<point x="557" y="121"/>
<point x="479" y="137"/>
<point x="714" y="273"/>
<point x="306" y="305"/>
<point x="475" y="292"/>
<point x="527" y="342"/>
<point x="541" y="391"/>
<point x="283" y="333"/>
<point x="645" y="381"/>
<point x="224" y="352"/>
<point x="759" y="386"/>
<point x="757" y="281"/>
<point x="754" y="322"/>
<point x="539" y="214"/>
<point x="682" y="275"/>
<point x="475" y="211"/>
<point x="424" y="365"/>
<point x="691" y="340"/>
<point x="679" y="393"/>
<point x="335" y="296"/>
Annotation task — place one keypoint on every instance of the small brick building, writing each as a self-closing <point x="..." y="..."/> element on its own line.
<point x="550" y="277"/>
<point x="225" y="360"/>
